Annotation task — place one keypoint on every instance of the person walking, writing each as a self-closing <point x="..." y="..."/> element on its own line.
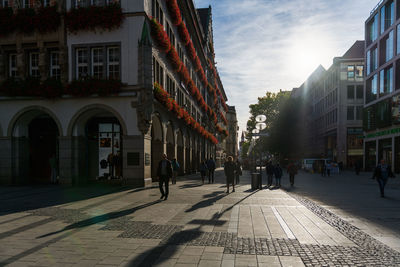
<point x="53" y="167"/>
<point x="110" y="161"/>
<point x="203" y="170"/>
<point x="175" y="170"/>
<point x="357" y="167"/>
<point x="323" y="169"/>
<point x="278" y="175"/>
<point x="211" y="170"/>
<point x="238" y="171"/>
<point x="328" y="168"/>
<point x="270" y="173"/>
<point x="229" y="170"/>
<point x="292" y="171"/>
<point x="164" y="173"/>
<point x="382" y="172"/>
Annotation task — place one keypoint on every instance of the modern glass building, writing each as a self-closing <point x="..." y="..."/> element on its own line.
<point x="382" y="85"/>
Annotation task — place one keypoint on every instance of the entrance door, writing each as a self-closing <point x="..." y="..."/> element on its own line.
<point x="43" y="134"/>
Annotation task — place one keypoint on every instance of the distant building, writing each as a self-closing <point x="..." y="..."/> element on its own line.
<point x="232" y="139"/>
<point x="382" y="86"/>
<point x="334" y="100"/>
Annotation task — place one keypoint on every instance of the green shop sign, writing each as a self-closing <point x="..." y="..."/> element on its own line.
<point x="382" y="133"/>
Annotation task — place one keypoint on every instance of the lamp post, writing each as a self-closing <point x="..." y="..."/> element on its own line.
<point x="260" y="119"/>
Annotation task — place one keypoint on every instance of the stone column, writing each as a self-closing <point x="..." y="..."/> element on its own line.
<point x="393" y="153"/>
<point x="65" y="159"/>
<point x="78" y="160"/>
<point x="20" y="160"/>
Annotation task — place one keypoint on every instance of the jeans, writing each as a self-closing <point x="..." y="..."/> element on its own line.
<point x="291" y="178"/>
<point x="278" y="181"/>
<point x="269" y="182"/>
<point x="164" y="180"/>
<point x="211" y="176"/>
<point x="174" y="175"/>
<point x="382" y="183"/>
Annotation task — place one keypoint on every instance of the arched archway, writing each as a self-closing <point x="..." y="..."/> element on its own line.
<point x="96" y="132"/>
<point x="157" y="145"/>
<point x="170" y="138"/>
<point x="35" y="133"/>
<point x="180" y="151"/>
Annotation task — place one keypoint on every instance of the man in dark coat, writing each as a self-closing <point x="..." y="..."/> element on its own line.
<point x="270" y="173"/>
<point x="292" y="170"/>
<point x="229" y="170"/>
<point x="211" y="169"/>
<point x="382" y="173"/>
<point x="164" y="173"/>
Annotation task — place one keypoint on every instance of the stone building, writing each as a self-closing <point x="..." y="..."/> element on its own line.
<point x="334" y="100"/>
<point x="117" y="82"/>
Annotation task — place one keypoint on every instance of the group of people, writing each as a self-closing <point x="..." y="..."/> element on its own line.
<point x="207" y="168"/>
<point x="233" y="171"/>
<point x="276" y="170"/>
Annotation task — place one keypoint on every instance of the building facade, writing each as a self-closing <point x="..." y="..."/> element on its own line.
<point x="382" y="84"/>
<point x="334" y="100"/>
<point x="107" y="90"/>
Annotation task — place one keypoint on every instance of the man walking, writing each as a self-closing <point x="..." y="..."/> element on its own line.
<point x="164" y="173"/>
<point x="278" y="175"/>
<point x="175" y="169"/>
<point x="229" y="170"/>
<point x="382" y="172"/>
<point x="211" y="169"/>
<point x="270" y="173"/>
<point x="292" y="170"/>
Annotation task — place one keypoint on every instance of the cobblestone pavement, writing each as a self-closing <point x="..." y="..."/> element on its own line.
<point x="199" y="225"/>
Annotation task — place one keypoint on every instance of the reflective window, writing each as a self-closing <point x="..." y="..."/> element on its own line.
<point x="34" y="65"/>
<point x="386" y="81"/>
<point x="55" y="65"/>
<point x="359" y="71"/>
<point x="372" y="88"/>
<point x="350" y="72"/>
<point x="389" y="46"/>
<point x="350" y="92"/>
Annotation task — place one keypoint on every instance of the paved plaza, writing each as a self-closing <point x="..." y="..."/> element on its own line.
<point x="322" y="221"/>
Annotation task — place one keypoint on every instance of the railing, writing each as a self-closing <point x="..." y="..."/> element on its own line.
<point x="376" y="7"/>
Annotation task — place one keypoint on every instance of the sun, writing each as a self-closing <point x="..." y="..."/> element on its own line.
<point x="307" y="51"/>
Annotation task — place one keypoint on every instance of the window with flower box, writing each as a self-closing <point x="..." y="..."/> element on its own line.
<point x="157" y="12"/>
<point x="12" y="65"/>
<point x="98" y="61"/>
<point x="27" y="3"/>
<point x="34" y="64"/>
<point x="158" y="73"/>
<point x="171" y="35"/>
<point x="55" y="71"/>
<point x="171" y="86"/>
<point x="5" y="3"/>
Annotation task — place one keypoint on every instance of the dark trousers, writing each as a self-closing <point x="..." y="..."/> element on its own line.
<point x="211" y="176"/>
<point x="164" y="179"/>
<point x="237" y="178"/>
<point x="291" y="178"/>
<point x="269" y="182"/>
<point x="382" y="183"/>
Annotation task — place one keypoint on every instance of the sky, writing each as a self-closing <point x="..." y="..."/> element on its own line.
<point x="268" y="45"/>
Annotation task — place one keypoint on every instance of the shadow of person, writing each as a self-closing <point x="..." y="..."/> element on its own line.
<point x="102" y="219"/>
<point x="167" y="248"/>
<point x="206" y="202"/>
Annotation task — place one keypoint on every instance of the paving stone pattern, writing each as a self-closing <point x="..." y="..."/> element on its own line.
<point x="369" y="251"/>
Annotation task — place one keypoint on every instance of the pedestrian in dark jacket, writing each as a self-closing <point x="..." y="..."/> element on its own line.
<point x="164" y="173"/>
<point x="175" y="170"/>
<point x="229" y="170"/>
<point x="382" y="173"/>
<point x="270" y="173"/>
<point x="238" y="171"/>
<point x="278" y="175"/>
<point x="292" y="170"/>
<point x="203" y="170"/>
<point x="211" y="169"/>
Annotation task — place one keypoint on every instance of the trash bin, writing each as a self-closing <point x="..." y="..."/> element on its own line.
<point x="255" y="180"/>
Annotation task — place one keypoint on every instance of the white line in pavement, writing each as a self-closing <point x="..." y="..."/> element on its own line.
<point x="285" y="227"/>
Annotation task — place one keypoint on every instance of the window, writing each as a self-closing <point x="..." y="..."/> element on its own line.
<point x="82" y="66"/>
<point x="12" y="65"/>
<point x="372" y="89"/>
<point x="386" y="81"/>
<point x="34" y="64"/>
<point x="157" y="12"/>
<point x="373" y="29"/>
<point x="170" y="86"/>
<point x="359" y="71"/>
<point x="389" y="46"/>
<point x="350" y="113"/>
<point x="97" y="63"/>
<point x="171" y="35"/>
<point x="350" y="92"/>
<point x="372" y="60"/>
<point x="113" y="61"/>
<point x="359" y="111"/>
<point x="55" y="71"/>
<point x="387" y="16"/>
<point x="360" y="92"/>
<point x="6" y="3"/>
<point x="350" y="72"/>
<point x="46" y="2"/>
<point x="158" y="72"/>
<point x="398" y="39"/>
<point x="82" y="3"/>
<point x="27" y="3"/>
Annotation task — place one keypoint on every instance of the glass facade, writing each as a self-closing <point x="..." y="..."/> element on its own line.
<point x="372" y="89"/>
<point x="372" y="60"/>
<point x="389" y="47"/>
<point x="386" y="81"/>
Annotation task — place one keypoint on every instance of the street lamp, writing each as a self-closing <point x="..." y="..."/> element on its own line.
<point x="260" y="125"/>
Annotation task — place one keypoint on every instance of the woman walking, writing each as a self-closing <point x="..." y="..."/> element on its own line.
<point x="229" y="170"/>
<point x="203" y="170"/>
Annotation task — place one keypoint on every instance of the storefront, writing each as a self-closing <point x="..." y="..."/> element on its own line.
<point x="354" y="146"/>
<point x="370" y="155"/>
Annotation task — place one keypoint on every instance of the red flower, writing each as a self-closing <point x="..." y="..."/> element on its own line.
<point x="184" y="74"/>
<point x="174" y="11"/>
<point x="183" y="33"/>
<point x="159" y="35"/>
<point x="174" y="59"/>
<point x="191" y="50"/>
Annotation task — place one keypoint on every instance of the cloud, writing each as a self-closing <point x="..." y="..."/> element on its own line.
<point x="267" y="45"/>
